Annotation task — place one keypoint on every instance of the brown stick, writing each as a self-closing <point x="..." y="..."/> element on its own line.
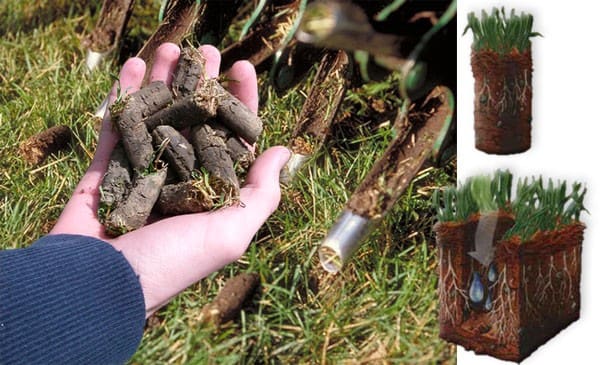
<point x="38" y="147"/>
<point x="322" y="104"/>
<point x="116" y="183"/>
<point x="185" y="112"/>
<point x="134" y="211"/>
<point x="189" y="71"/>
<point x="111" y="24"/>
<point x="129" y="114"/>
<point x="239" y="152"/>
<point x="214" y="158"/>
<point x="236" y="116"/>
<point x="264" y="41"/>
<point x="177" y="22"/>
<point x="228" y="303"/>
<point x="401" y="161"/>
<point x="178" y="152"/>
<point x="183" y="198"/>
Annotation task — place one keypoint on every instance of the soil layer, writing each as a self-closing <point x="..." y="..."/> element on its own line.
<point x="502" y="101"/>
<point x="531" y="288"/>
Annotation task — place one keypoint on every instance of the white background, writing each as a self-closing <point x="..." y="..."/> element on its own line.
<point x="565" y="143"/>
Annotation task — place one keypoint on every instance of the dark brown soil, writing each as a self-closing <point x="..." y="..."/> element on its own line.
<point x="264" y="40"/>
<point x="189" y="71"/>
<point x="152" y="123"/>
<point x="401" y="161"/>
<point x="502" y="101"/>
<point x="240" y="154"/>
<point x="177" y="151"/>
<point x="230" y="300"/>
<point x="178" y="21"/>
<point x="185" y="112"/>
<point x="236" y="116"/>
<point x="133" y="212"/>
<point x="185" y="197"/>
<point x="323" y="101"/>
<point x="116" y="181"/>
<point x="455" y="241"/>
<point x="111" y="24"/>
<point x="38" y="147"/>
<point x="214" y="158"/>
<point x="129" y="114"/>
<point x="534" y="295"/>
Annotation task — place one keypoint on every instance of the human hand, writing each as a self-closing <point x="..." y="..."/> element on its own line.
<point x="171" y="254"/>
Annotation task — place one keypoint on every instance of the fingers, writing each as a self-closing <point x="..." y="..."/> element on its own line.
<point x="243" y="84"/>
<point x="213" y="61"/>
<point x="79" y="215"/>
<point x="130" y="78"/>
<point x="165" y="61"/>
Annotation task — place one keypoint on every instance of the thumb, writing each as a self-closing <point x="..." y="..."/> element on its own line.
<point x="261" y="192"/>
<point x="259" y="197"/>
<point x="265" y="170"/>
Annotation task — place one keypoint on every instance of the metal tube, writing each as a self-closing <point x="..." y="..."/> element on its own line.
<point x="342" y="240"/>
<point x="290" y="169"/>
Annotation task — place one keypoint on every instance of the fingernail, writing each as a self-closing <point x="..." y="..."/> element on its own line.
<point x="285" y="157"/>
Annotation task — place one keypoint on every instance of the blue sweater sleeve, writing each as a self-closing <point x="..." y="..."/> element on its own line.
<point x="68" y="299"/>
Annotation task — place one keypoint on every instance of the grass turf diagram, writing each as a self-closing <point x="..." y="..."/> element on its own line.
<point x="509" y="270"/>
<point x="502" y="67"/>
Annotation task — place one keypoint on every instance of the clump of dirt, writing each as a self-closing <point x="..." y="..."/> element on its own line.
<point x="502" y="101"/>
<point x="231" y="299"/>
<point x="38" y="147"/>
<point x="525" y="296"/>
<point x="156" y="165"/>
<point x="404" y="157"/>
<point x="322" y="103"/>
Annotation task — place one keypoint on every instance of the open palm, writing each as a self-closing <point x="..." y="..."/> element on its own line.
<point x="173" y="253"/>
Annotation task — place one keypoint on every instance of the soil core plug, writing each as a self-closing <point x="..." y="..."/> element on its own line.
<point x="318" y="112"/>
<point x="502" y="67"/>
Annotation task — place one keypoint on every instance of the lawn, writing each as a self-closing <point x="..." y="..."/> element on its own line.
<point x="382" y="307"/>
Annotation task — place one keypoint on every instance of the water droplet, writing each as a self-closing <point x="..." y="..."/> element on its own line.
<point x="488" y="303"/>
<point x="476" y="290"/>
<point x="492" y="274"/>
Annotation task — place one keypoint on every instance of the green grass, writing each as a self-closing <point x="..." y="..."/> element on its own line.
<point x="501" y="34"/>
<point x="536" y="206"/>
<point x="382" y="306"/>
